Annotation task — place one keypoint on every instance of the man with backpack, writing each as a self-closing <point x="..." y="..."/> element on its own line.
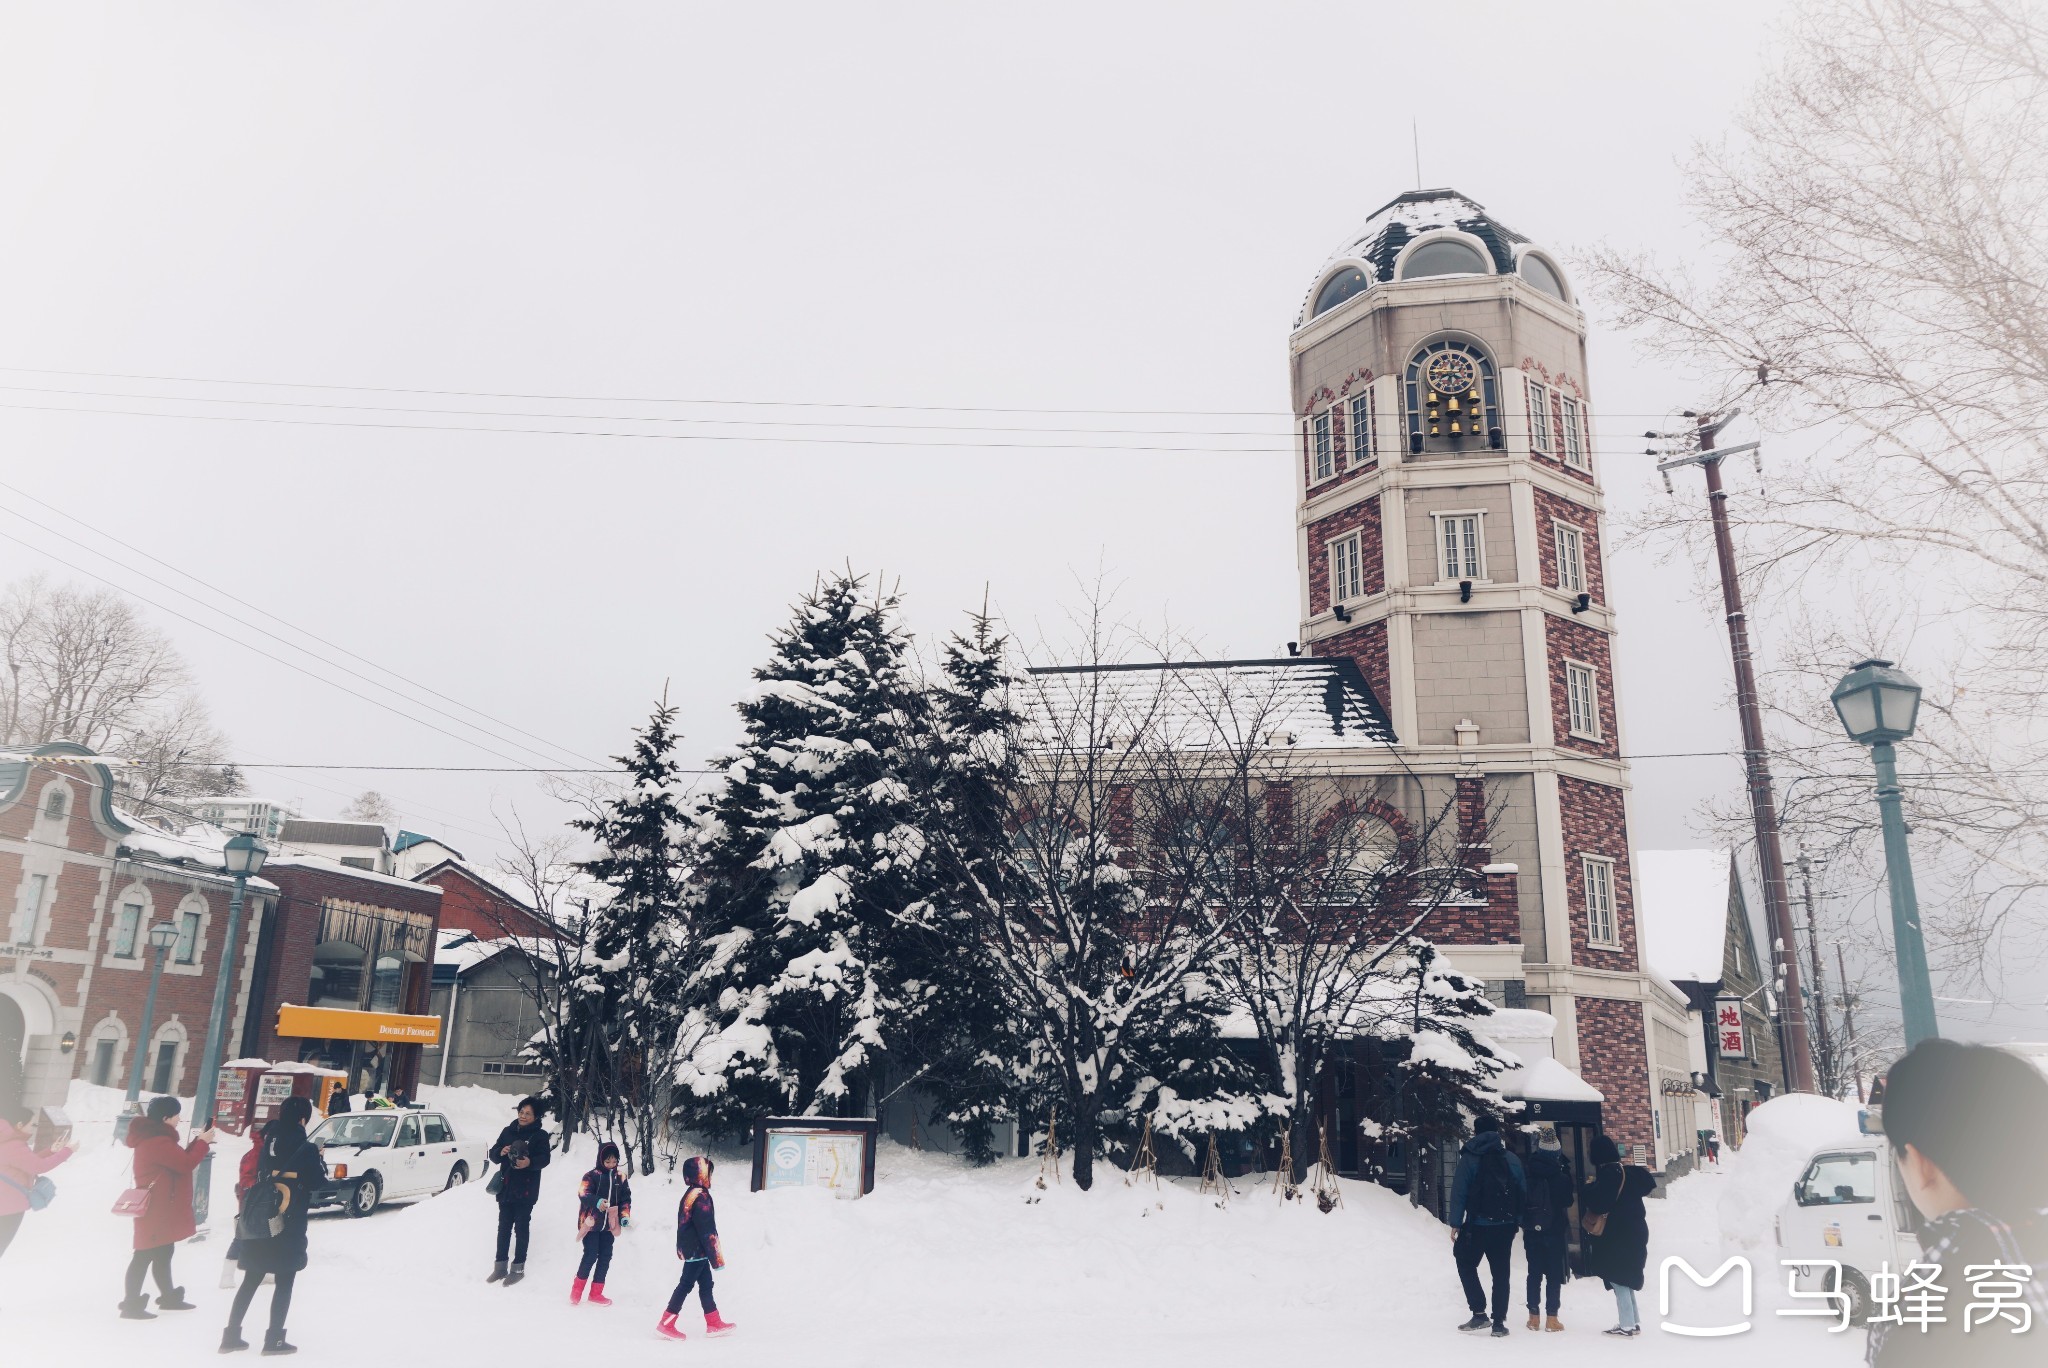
<point x="1546" y="1228"/>
<point x="1487" y="1195"/>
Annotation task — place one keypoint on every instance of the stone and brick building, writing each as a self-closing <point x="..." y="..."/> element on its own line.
<point x="1450" y="539"/>
<point x="87" y="884"/>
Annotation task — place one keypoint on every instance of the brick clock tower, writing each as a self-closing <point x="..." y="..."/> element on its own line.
<point x="1450" y="538"/>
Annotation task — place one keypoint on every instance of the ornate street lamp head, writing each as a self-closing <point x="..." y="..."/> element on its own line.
<point x="244" y="854"/>
<point x="1877" y="703"/>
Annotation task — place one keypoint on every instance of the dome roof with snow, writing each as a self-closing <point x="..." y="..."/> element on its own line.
<point x="1478" y="244"/>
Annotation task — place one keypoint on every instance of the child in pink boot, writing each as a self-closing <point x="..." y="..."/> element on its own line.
<point x="697" y="1246"/>
<point x="605" y="1204"/>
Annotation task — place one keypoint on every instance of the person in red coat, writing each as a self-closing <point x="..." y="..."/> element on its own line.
<point x="21" y="1163"/>
<point x="163" y="1168"/>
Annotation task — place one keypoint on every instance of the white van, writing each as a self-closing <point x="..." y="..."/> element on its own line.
<point x="1849" y="1206"/>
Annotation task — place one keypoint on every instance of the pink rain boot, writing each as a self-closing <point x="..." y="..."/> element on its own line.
<point x="597" y="1296"/>
<point x="668" y="1327"/>
<point x="575" y="1291"/>
<point x="715" y="1324"/>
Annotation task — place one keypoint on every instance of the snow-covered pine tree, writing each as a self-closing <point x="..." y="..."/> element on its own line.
<point x="631" y="965"/>
<point x="957" y="1037"/>
<point x="1449" y="1073"/>
<point x="807" y="855"/>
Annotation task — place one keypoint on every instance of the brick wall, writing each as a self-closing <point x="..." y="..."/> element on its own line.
<point x="1366" y="644"/>
<point x="1565" y="640"/>
<point x="1594" y="824"/>
<point x="1351" y="463"/>
<point x="1614" y="1059"/>
<point x="468" y="904"/>
<point x="1363" y="518"/>
<point x="1550" y="508"/>
<point x="184" y="1001"/>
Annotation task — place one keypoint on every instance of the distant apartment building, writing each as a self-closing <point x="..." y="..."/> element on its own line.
<point x="359" y="845"/>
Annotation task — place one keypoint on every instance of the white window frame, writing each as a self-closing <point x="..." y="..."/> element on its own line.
<point x="1542" y="441"/>
<point x="1362" y="415"/>
<point x="1319" y="431"/>
<point x="1347" y="568"/>
<point x="1574" y="672"/>
<point x="1569" y="537"/>
<point x="1603" y="925"/>
<point x="1474" y="551"/>
<point x="1574" y="414"/>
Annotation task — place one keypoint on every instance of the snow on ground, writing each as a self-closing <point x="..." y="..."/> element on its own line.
<point x="941" y="1264"/>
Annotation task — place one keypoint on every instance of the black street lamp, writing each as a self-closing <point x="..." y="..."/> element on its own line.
<point x="1878" y="705"/>
<point x="162" y="937"/>
<point x="243" y="857"/>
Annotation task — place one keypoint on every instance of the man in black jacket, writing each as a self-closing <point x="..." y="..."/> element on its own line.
<point x="520" y="1152"/>
<point x="1487" y="1193"/>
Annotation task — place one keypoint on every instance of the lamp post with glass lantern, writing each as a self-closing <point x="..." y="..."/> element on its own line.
<point x="243" y="856"/>
<point x="1878" y="705"/>
<point x="162" y="937"/>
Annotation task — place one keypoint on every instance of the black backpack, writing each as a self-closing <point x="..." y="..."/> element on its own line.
<point x="1549" y="1193"/>
<point x="1494" y="1197"/>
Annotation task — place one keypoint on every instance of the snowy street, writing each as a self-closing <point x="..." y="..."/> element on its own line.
<point x="941" y="1264"/>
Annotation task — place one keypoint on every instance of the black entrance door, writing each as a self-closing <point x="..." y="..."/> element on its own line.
<point x="13" y="1043"/>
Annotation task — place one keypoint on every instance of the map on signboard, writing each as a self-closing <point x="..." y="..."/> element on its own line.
<point x="826" y="1159"/>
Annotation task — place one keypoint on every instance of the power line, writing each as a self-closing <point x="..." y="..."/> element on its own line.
<point x="728" y="403"/>
<point x="290" y="645"/>
<point x="288" y="664"/>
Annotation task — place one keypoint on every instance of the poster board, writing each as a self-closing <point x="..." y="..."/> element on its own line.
<point x="835" y="1153"/>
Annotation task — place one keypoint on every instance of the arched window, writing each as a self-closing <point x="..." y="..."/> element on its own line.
<point x="55" y="806"/>
<point x="337" y="975"/>
<point x="387" y="984"/>
<point x="1446" y="256"/>
<point x="1339" y="288"/>
<point x="1539" y="273"/>
<point x="1452" y="398"/>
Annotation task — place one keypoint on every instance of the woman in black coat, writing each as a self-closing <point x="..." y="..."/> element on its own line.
<point x="520" y="1152"/>
<point x="1618" y="1254"/>
<point x="292" y="1163"/>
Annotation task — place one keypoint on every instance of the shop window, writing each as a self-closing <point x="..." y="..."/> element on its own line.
<point x="337" y="975"/>
<point x="387" y="984"/>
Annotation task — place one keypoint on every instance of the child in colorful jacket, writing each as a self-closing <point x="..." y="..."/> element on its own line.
<point x="604" y="1203"/>
<point x="697" y="1246"/>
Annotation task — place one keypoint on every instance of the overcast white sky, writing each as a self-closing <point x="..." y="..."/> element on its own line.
<point x="1043" y="207"/>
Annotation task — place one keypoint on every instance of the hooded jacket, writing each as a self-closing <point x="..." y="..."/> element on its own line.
<point x="285" y="1156"/>
<point x="20" y="1166"/>
<point x="164" y="1167"/>
<point x="522" y="1185"/>
<point x="1471" y="1155"/>
<point x="1619" y="1252"/>
<point x="696" y="1222"/>
<point x="607" y="1185"/>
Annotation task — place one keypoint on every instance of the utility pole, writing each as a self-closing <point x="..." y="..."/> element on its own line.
<point x="1830" y="1072"/>
<point x="1763" y="807"/>
<point x="1849" y="1021"/>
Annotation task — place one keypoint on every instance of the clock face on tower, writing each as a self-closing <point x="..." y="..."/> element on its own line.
<point x="1451" y="373"/>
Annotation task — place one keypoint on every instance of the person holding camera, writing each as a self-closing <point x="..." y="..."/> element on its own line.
<point x="163" y="1170"/>
<point x="22" y="1164"/>
<point x="520" y="1152"/>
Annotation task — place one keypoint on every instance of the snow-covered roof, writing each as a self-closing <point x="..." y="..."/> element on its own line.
<point x="488" y="881"/>
<point x="198" y="849"/>
<point x="368" y="834"/>
<point x="308" y="860"/>
<point x="406" y="840"/>
<point x="1682" y="912"/>
<point x="1400" y="220"/>
<point x="1507" y="1025"/>
<point x="1548" y="1081"/>
<point x="1303" y="701"/>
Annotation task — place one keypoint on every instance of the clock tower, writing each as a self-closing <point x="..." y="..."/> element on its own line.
<point x="1450" y="536"/>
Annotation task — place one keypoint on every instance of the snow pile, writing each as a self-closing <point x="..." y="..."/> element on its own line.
<point x="1783" y="1134"/>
